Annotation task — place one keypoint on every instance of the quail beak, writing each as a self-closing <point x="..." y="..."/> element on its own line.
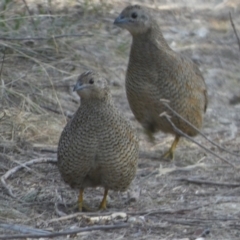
<point x="78" y="86"/>
<point x="120" y="20"/>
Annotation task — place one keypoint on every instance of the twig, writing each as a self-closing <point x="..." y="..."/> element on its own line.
<point x="30" y="15"/>
<point x="114" y="217"/>
<point x="2" y="62"/>
<point x="15" y="169"/>
<point x="181" y="133"/>
<point x="65" y="233"/>
<point x="92" y="217"/>
<point x="149" y="212"/>
<point x="159" y="211"/>
<point x="44" y="148"/>
<point x="234" y="29"/>
<point x="78" y="214"/>
<point x="45" y="38"/>
<point x="188" y="222"/>
<point x="68" y="115"/>
<point x="22" y="228"/>
<point x="165" y="103"/>
<point x="201" y="223"/>
<point x="199" y="181"/>
<point x="220" y="219"/>
<point x="162" y="171"/>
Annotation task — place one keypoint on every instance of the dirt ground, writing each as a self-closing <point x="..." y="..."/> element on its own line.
<point x="196" y="193"/>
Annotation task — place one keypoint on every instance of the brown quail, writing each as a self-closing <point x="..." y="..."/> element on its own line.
<point x="98" y="147"/>
<point x="156" y="72"/>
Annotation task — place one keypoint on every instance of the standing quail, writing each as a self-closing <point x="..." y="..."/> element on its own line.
<point x="98" y="146"/>
<point x="156" y="72"/>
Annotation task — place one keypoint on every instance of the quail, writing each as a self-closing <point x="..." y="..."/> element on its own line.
<point x="157" y="72"/>
<point x="98" y="146"/>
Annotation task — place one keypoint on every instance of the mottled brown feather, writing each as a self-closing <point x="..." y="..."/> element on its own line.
<point x="98" y="146"/>
<point x="156" y="72"/>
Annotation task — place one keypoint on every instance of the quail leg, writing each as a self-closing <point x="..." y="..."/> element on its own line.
<point x="80" y="200"/>
<point x="170" y="153"/>
<point x="81" y="205"/>
<point x="103" y="204"/>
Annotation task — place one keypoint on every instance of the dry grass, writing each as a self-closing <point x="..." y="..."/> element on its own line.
<point x="36" y="97"/>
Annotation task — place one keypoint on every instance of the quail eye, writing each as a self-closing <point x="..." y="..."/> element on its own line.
<point x="91" y="81"/>
<point x="134" y="15"/>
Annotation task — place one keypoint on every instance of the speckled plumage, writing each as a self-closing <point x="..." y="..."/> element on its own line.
<point x="156" y="72"/>
<point x="98" y="146"/>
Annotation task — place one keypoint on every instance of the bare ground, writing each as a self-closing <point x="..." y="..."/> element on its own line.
<point x="167" y="200"/>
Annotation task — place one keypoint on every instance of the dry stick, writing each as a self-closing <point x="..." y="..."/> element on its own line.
<point x="65" y="233"/>
<point x="78" y="214"/>
<point x="146" y="213"/>
<point x="88" y="214"/>
<point x="22" y="164"/>
<point x="22" y="228"/>
<point x="200" y="223"/>
<point x="177" y="211"/>
<point x="199" y="181"/>
<point x="211" y="218"/>
<point x="46" y="38"/>
<point x="234" y="29"/>
<point x="30" y="15"/>
<point x="165" y="103"/>
<point x="56" y="111"/>
<point x="15" y="169"/>
<point x="44" y="148"/>
<point x="178" y="131"/>
<point x="187" y="222"/>
<point x="2" y="62"/>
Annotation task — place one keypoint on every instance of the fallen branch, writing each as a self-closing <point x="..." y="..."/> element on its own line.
<point x="22" y="228"/>
<point x="165" y="103"/>
<point x="169" y="211"/>
<point x="189" y="222"/>
<point x="65" y="233"/>
<point x="146" y="213"/>
<point x="199" y="181"/>
<point x="78" y="214"/>
<point x="234" y="29"/>
<point x="15" y="169"/>
<point x="109" y="214"/>
<point x="45" y="38"/>
<point x="92" y="217"/>
<point x="181" y="133"/>
<point x="118" y="216"/>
